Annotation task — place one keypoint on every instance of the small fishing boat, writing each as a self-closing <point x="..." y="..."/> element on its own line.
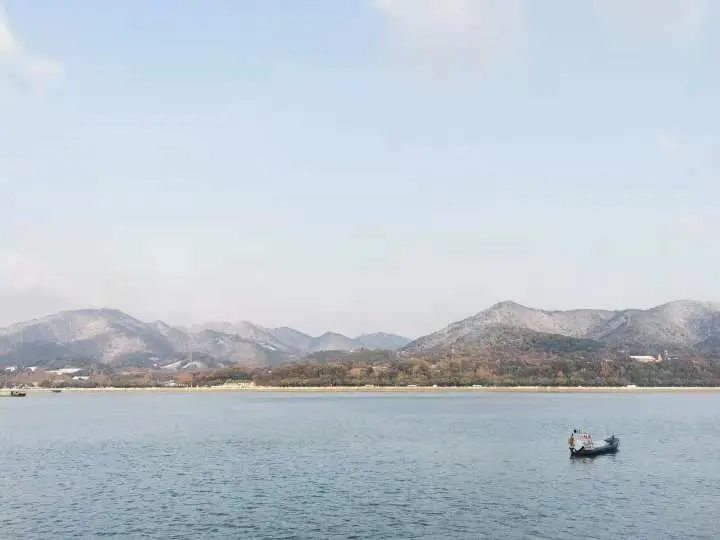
<point x="17" y="393"/>
<point x="582" y="445"/>
<point x="56" y="390"/>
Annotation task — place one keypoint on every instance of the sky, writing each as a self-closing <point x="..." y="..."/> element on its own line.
<point x="357" y="166"/>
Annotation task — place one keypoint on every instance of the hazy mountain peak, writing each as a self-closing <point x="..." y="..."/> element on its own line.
<point x="507" y="305"/>
<point x="288" y="329"/>
<point x="332" y="341"/>
<point x="293" y="339"/>
<point x="382" y="340"/>
<point x="686" y="306"/>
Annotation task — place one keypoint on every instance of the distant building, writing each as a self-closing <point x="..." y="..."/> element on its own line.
<point x="645" y="359"/>
<point x="65" y="371"/>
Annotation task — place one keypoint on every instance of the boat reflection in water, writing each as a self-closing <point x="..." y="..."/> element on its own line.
<point x="582" y="445"/>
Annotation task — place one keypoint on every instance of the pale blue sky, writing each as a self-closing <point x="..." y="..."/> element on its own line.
<point x="357" y="165"/>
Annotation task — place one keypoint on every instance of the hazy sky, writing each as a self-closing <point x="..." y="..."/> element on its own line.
<point x="357" y="165"/>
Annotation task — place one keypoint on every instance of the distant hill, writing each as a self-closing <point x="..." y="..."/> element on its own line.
<point x="682" y="324"/>
<point x="292" y="338"/>
<point x="107" y="335"/>
<point x="382" y="341"/>
<point x="249" y="332"/>
<point x="111" y="337"/>
<point x="331" y="341"/>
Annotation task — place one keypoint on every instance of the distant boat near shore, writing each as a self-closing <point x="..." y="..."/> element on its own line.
<point x="13" y="392"/>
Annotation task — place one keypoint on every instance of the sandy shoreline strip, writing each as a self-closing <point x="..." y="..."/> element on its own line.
<point x="397" y="389"/>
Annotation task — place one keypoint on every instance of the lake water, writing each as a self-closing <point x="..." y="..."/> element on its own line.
<point x="272" y="466"/>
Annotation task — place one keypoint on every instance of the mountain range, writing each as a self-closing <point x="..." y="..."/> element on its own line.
<point x="504" y="330"/>
<point x="681" y="324"/>
<point x="112" y="337"/>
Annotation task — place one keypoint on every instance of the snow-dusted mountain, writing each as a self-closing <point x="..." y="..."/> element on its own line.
<point x="249" y="332"/>
<point x="682" y="323"/>
<point x="113" y="337"/>
<point x="116" y="338"/>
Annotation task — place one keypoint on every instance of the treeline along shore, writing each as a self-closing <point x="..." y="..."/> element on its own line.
<point x="251" y="388"/>
<point x="386" y="369"/>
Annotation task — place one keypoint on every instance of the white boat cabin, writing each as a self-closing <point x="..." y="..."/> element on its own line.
<point x="579" y="439"/>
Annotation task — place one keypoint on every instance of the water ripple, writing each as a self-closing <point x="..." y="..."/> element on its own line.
<point x="455" y="467"/>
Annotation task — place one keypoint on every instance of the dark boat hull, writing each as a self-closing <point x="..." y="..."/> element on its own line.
<point x="612" y="446"/>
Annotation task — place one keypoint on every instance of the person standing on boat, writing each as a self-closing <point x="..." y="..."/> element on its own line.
<point x="571" y="440"/>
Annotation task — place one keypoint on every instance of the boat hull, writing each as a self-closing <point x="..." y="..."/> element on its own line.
<point x="612" y="446"/>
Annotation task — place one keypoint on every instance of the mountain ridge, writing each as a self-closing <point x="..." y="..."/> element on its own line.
<point x="504" y="330"/>
<point x="679" y="323"/>
<point x="110" y="336"/>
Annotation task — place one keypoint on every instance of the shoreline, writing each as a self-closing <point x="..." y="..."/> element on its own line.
<point x="393" y="389"/>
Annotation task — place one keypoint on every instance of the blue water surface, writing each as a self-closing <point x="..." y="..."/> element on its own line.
<point x="364" y="466"/>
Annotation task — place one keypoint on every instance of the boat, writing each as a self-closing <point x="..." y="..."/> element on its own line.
<point x="56" y="390"/>
<point x="17" y="393"/>
<point x="582" y="445"/>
